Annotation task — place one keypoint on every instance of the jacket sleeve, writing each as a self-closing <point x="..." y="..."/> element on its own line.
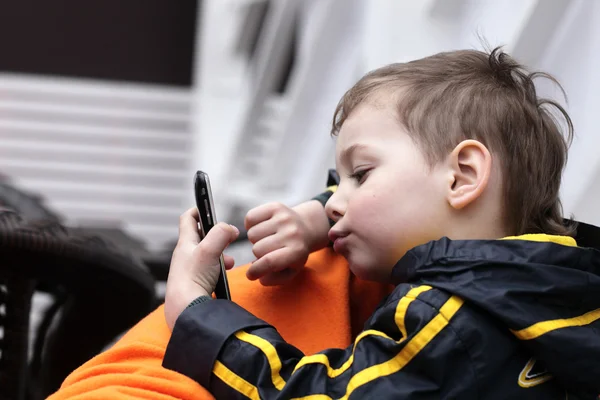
<point x="407" y="350"/>
<point x="333" y="181"/>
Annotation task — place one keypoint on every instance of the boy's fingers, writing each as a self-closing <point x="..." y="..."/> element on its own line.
<point x="259" y="214"/>
<point x="262" y="230"/>
<point x="279" y="277"/>
<point x="229" y="261"/>
<point x="188" y="226"/>
<point x="266" y="246"/>
<point x="217" y="240"/>
<point x="272" y="262"/>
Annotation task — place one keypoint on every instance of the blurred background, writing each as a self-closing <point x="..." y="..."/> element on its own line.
<point x="107" y="108"/>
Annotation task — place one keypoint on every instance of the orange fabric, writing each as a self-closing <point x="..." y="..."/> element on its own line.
<point x="313" y="313"/>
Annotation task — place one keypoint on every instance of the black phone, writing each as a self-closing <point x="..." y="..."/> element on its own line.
<point x="208" y="219"/>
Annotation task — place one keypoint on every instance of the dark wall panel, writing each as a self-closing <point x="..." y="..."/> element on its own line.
<point x="128" y="40"/>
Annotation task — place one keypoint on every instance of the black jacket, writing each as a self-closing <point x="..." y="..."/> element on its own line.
<point x="496" y="319"/>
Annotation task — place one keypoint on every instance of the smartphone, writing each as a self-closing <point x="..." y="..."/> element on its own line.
<point x="208" y="219"/>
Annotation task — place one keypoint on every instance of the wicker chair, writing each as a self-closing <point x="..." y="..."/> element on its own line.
<point x="100" y="292"/>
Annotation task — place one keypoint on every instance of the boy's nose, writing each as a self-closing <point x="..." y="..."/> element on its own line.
<point x="335" y="206"/>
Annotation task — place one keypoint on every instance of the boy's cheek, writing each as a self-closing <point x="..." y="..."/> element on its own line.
<point x="364" y="213"/>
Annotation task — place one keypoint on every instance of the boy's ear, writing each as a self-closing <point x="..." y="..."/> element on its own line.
<point x="470" y="169"/>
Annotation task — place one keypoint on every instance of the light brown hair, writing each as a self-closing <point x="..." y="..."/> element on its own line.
<point x="468" y="94"/>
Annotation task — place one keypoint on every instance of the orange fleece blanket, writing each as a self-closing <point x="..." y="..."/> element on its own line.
<point x="320" y="309"/>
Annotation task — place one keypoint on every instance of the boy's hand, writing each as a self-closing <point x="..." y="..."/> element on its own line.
<point x="195" y="269"/>
<point x="283" y="237"/>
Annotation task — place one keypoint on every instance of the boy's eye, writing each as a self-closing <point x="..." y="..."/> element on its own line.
<point x="360" y="175"/>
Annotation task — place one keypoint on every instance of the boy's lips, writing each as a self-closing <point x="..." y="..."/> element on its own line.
<point x="339" y="240"/>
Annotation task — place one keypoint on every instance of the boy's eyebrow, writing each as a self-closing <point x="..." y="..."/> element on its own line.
<point x="349" y="151"/>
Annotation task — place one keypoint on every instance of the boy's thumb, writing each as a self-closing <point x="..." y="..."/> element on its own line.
<point x="219" y="237"/>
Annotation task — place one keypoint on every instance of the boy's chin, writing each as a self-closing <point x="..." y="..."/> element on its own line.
<point x="369" y="271"/>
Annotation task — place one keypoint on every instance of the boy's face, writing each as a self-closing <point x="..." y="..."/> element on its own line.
<point x="389" y="200"/>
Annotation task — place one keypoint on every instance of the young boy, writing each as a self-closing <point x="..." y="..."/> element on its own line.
<point x="450" y="170"/>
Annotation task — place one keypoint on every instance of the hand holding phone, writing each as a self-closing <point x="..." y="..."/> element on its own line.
<point x="208" y="219"/>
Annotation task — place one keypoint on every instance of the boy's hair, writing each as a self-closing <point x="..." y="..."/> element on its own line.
<point x="468" y="94"/>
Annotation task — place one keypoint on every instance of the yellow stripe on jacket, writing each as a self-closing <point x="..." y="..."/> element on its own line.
<point x="411" y="349"/>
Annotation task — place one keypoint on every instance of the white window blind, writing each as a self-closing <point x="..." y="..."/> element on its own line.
<point x="99" y="151"/>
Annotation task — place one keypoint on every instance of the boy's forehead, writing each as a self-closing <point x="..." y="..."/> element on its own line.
<point x="351" y="134"/>
<point x="367" y="122"/>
